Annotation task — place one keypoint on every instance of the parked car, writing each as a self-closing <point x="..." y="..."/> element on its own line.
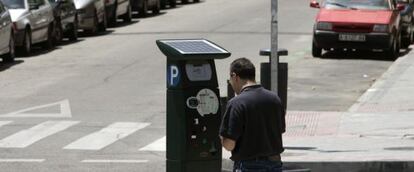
<point x="66" y="19"/>
<point x="33" y="21"/>
<point x="6" y="35"/>
<point x="171" y="3"/>
<point x="142" y="6"/>
<point x="407" y="22"/>
<point x="366" y="25"/>
<point x="91" y="15"/>
<point x="118" y="8"/>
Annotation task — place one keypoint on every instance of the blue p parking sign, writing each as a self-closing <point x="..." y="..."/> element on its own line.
<point x="173" y="76"/>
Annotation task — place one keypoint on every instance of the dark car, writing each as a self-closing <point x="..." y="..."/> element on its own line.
<point x="359" y="25"/>
<point x="66" y="19"/>
<point x="142" y="6"/>
<point x="407" y="20"/>
<point x="6" y="35"/>
<point x="118" y="9"/>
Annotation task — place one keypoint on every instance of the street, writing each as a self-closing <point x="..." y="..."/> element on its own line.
<point x="99" y="104"/>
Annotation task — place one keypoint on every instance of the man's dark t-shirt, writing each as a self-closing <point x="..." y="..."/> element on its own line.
<point x="255" y="119"/>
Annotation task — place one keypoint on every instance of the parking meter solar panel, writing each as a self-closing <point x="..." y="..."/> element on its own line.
<point x="187" y="49"/>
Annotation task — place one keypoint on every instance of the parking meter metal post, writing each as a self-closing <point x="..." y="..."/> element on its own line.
<point x="193" y="105"/>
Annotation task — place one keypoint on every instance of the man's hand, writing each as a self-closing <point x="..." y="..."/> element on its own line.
<point x="227" y="143"/>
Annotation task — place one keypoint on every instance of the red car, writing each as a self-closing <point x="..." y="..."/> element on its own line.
<point x="357" y="24"/>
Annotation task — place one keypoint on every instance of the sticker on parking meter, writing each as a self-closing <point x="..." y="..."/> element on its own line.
<point x="173" y="76"/>
<point x="208" y="102"/>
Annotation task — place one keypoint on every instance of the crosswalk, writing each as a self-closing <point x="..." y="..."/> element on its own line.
<point x="94" y="141"/>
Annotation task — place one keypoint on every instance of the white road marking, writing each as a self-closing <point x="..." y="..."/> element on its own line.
<point x="65" y="111"/>
<point x="113" y="161"/>
<point x="158" y="145"/>
<point x="106" y="136"/>
<point x="5" y="123"/>
<point x="27" y="137"/>
<point x="21" y="160"/>
<point x="372" y="90"/>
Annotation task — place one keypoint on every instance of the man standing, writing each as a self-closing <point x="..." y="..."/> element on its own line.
<point x="253" y="123"/>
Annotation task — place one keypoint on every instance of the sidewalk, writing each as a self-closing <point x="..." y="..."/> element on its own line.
<point x="376" y="134"/>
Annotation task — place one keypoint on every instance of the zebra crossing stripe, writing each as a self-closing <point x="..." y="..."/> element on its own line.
<point x="27" y="137"/>
<point x="106" y="136"/>
<point x="21" y="160"/>
<point x="158" y="145"/>
<point x="113" y="161"/>
<point x="5" y="123"/>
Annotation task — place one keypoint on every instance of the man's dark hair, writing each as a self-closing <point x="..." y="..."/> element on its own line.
<point x="243" y="68"/>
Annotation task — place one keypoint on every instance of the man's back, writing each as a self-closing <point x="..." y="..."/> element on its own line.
<point x="256" y="122"/>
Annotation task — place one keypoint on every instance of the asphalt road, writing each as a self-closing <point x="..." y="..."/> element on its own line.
<point x="60" y="110"/>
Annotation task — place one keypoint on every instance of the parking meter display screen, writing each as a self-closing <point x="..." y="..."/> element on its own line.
<point x="198" y="72"/>
<point x="194" y="46"/>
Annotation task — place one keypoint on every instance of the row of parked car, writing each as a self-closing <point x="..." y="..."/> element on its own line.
<point x="46" y="22"/>
<point x="386" y="25"/>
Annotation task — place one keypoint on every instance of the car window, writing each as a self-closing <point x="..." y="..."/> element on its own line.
<point x="14" y="4"/>
<point x="357" y="4"/>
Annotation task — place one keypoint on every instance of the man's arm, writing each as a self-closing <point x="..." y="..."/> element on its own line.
<point x="227" y="143"/>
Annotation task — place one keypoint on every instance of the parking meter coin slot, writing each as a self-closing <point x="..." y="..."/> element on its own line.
<point x="192" y="102"/>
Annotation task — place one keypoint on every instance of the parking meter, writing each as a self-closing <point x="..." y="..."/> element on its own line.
<point x="193" y="107"/>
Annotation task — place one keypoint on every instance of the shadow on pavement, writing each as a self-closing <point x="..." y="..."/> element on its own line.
<point x="122" y="24"/>
<point x="361" y="54"/>
<point x="6" y="65"/>
<point x="83" y="34"/>
<point x="149" y="15"/>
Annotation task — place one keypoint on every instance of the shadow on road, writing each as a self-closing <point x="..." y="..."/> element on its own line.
<point x="149" y="15"/>
<point x="87" y="35"/>
<point x="122" y="24"/>
<point x="6" y="65"/>
<point x="360" y="54"/>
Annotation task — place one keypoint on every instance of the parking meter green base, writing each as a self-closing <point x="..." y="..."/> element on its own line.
<point x="194" y="166"/>
<point x="193" y="105"/>
<point x="192" y="138"/>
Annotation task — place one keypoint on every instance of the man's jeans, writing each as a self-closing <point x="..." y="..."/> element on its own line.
<point x="257" y="166"/>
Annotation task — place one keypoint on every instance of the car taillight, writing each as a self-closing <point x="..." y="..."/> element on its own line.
<point x="324" y="26"/>
<point x="380" y="28"/>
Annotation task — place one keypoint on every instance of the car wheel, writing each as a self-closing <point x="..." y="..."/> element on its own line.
<point x="316" y="52"/>
<point x="143" y="12"/>
<point x="173" y="3"/>
<point x="393" y="52"/>
<point x="157" y="8"/>
<point x="112" y="20"/>
<point x="27" y="42"/>
<point x="196" y="1"/>
<point x="127" y="17"/>
<point x="184" y="1"/>
<point x="104" y="24"/>
<point x="48" y="44"/>
<point x="58" y="32"/>
<point x="9" y="57"/>
<point x="163" y="4"/>
<point x="73" y="33"/>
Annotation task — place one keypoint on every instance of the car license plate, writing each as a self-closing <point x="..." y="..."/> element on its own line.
<point x="352" y="37"/>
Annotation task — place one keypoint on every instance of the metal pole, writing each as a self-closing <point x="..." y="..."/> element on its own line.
<point x="274" y="58"/>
